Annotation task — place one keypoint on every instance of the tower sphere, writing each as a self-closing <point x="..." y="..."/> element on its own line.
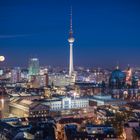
<point x="71" y="40"/>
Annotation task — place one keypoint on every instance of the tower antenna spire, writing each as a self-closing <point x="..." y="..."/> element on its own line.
<point x="71" y="30"/>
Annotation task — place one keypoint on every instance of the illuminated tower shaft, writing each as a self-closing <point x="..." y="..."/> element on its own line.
<point x="71" y="60"/>
<point x="71" y="40"/>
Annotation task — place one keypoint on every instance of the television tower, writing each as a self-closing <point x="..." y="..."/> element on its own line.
<point x="71" y="41"/>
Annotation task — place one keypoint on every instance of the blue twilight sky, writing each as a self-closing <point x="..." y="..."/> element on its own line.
<point x="105" y="31"/>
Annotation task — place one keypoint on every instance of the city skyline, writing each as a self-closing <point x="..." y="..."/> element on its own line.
<point x="69" y="70"/>
<point x="106" y="32"/>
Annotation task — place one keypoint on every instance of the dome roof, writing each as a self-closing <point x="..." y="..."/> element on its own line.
<point x="117" y="79"/>
<point x="117" y="74"/>
<point x="135" y="78"/>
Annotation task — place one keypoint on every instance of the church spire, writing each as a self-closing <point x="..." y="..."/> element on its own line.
<point x="117" y="67"/>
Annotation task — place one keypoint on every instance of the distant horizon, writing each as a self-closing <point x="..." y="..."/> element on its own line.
<point x="121" y="67"/>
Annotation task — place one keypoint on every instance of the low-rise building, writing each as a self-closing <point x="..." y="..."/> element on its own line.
<point x="130" y="129"/>
<point x="93" y="132"/>
<point x="66" y="103"/>
<point x="26" y="108"/>
<point x="31" y="128"/>
<point x="103" y="99"/>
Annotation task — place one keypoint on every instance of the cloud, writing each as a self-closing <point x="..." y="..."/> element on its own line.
<point x="13" y="36"/>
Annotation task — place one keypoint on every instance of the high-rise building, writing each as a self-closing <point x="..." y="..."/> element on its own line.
<point x="16" y="75"/>
<point x="34" y="66"/>
<point x="71" y="41"/>
<point x="1" y="72"/>
<point x="38" y="81"/>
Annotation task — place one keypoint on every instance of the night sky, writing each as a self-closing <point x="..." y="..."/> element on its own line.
<point x="105" y="31"/>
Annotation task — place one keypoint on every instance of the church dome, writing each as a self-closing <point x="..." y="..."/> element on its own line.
<point x="117" y="74"/>
<point x="117" y="78"/>
<point x="135" y="81"/>
<point x="135" y="78"/>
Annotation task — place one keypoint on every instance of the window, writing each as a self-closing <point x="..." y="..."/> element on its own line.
<point x="66" y="104"/>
